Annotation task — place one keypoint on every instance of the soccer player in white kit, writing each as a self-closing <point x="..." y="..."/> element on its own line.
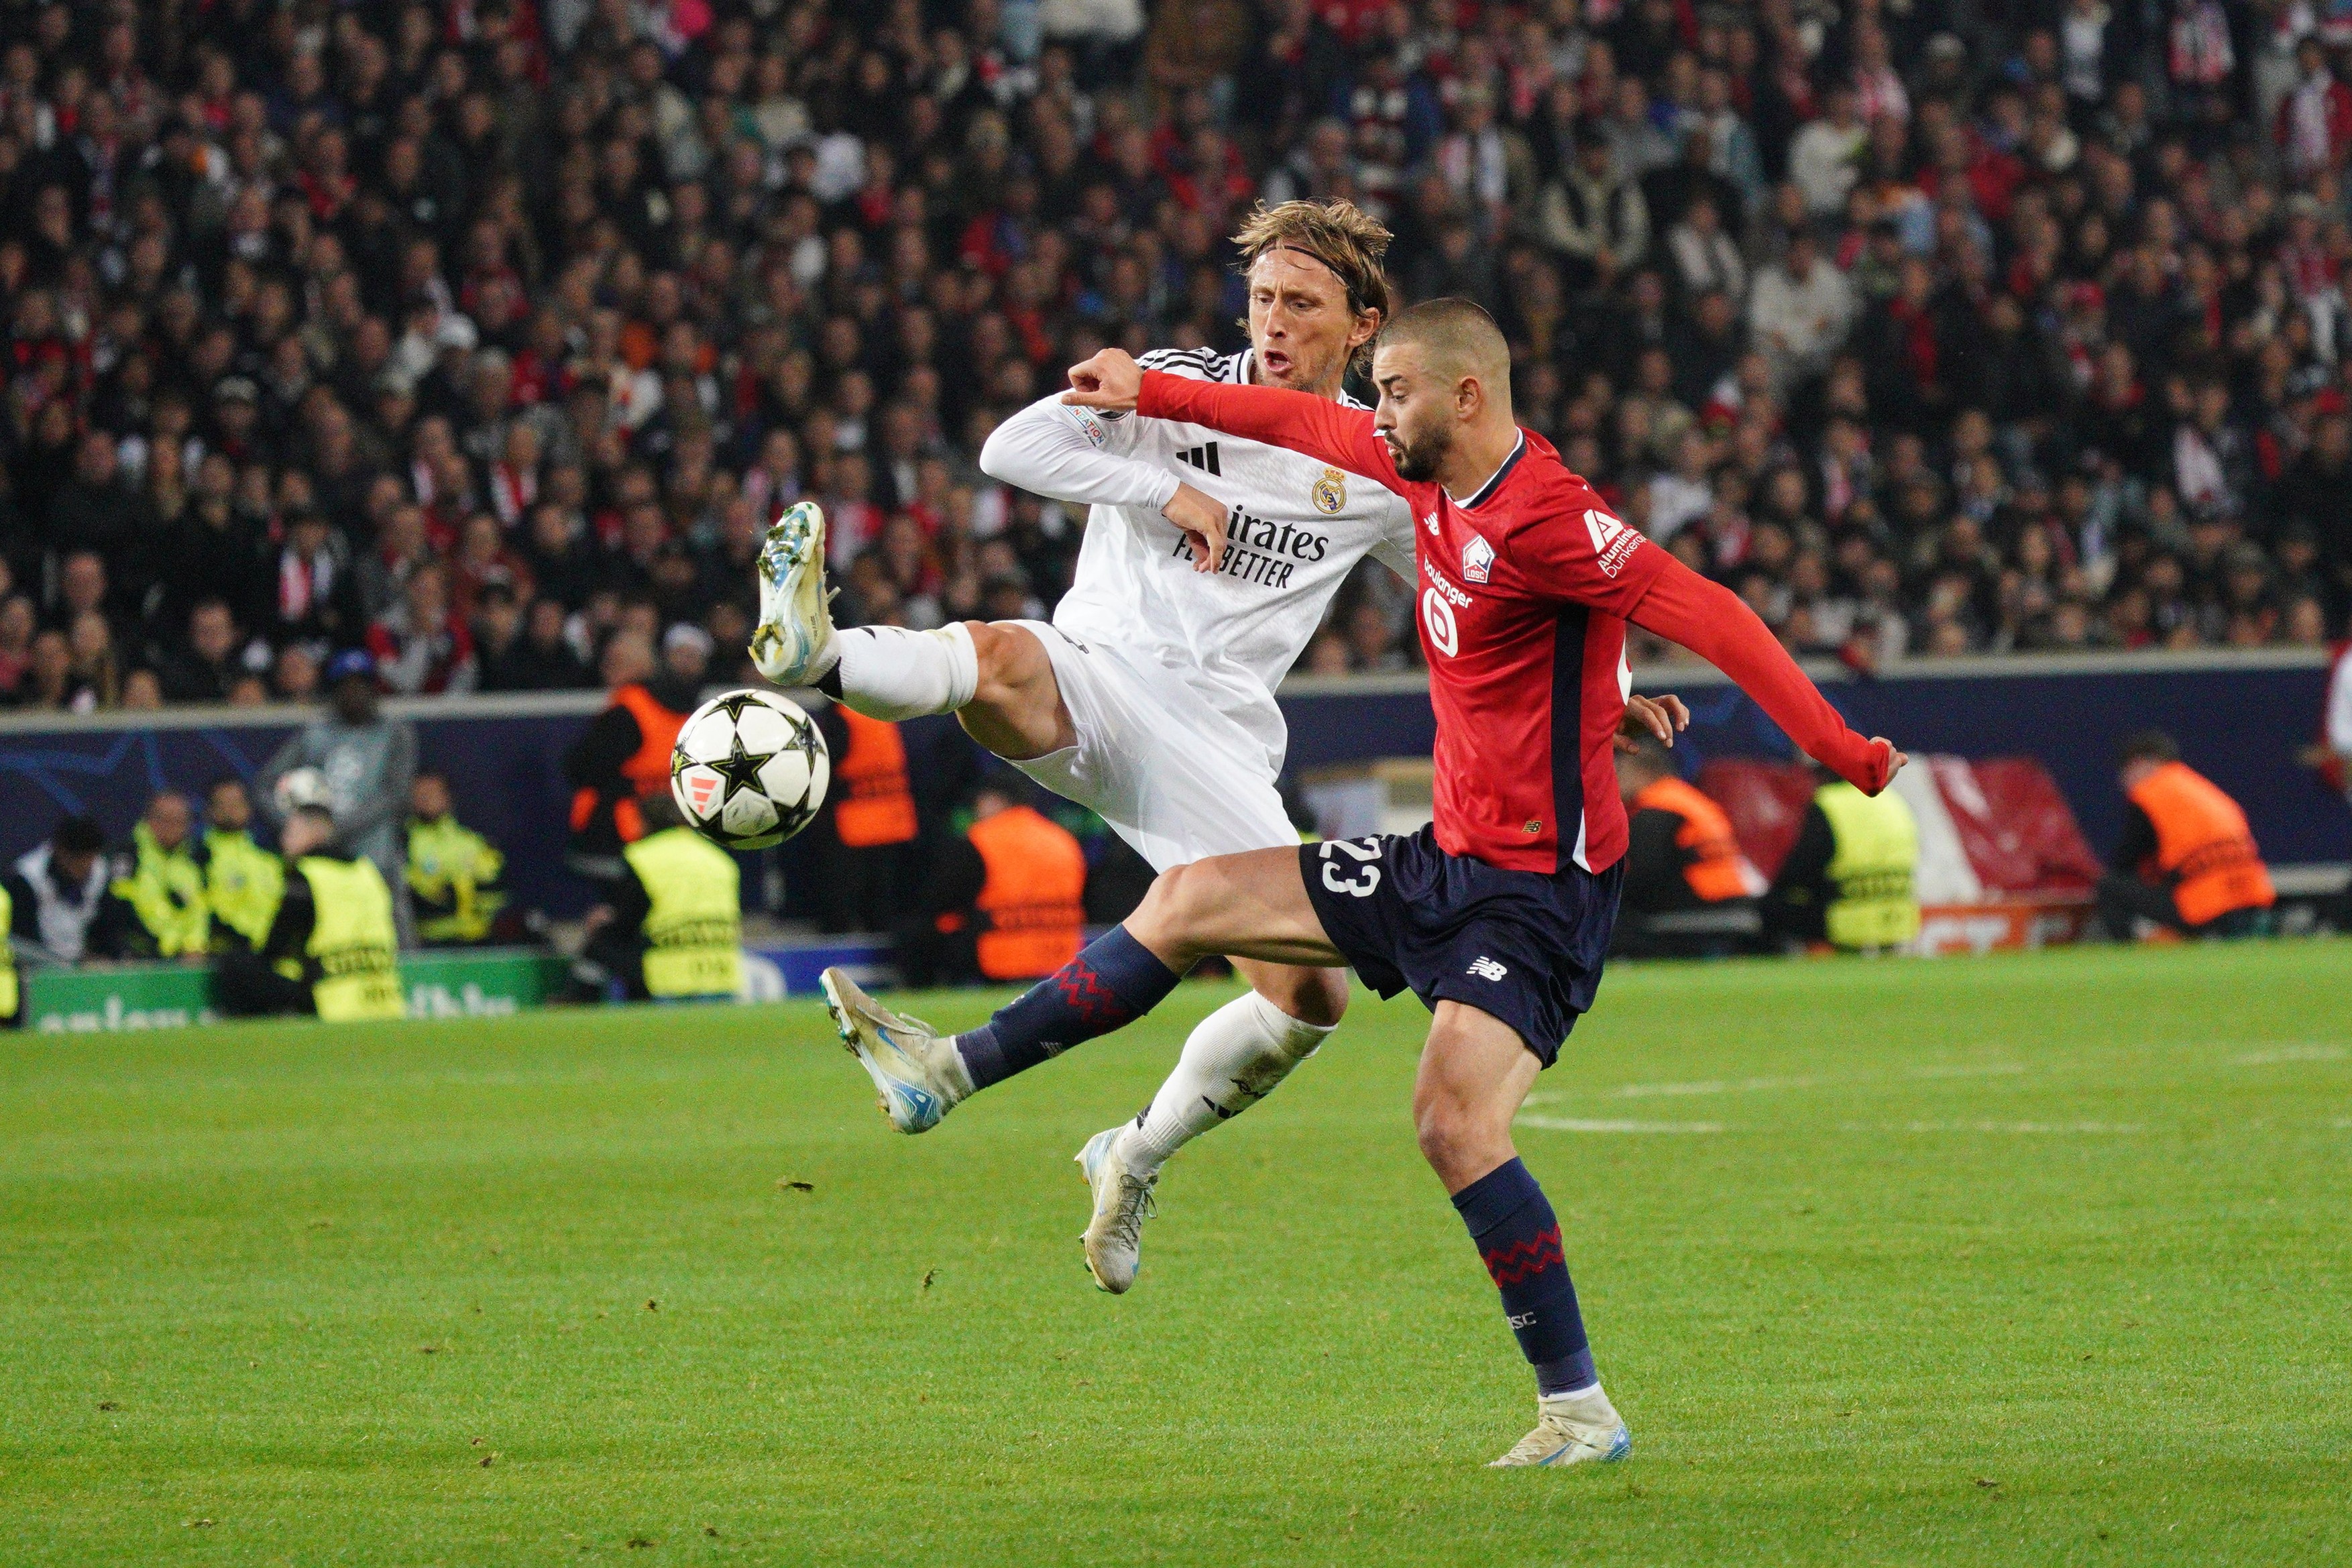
<point x="1207" y="564"/>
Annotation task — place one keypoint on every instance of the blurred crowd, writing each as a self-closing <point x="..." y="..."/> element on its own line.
<point x="476" y="332"/>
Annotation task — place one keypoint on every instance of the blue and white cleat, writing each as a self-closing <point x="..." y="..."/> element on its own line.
<point x="917" y="1076"/>
<point x="1114" y="1236"/>
<point x="1580" y="1428"/>
<point x="794" y="636"/>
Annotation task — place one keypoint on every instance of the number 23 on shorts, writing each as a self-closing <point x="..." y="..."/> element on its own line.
<point x="1367" y="874"/>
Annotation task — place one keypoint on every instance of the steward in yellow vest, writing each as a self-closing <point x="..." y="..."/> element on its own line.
<point x="332" y="950"/>
<point x="1848" y="880"/>
<point x="453" y="872"/>
<point x="243" y="881"/>
<point x="162" y="885"/>
<point x="674" y="928"/>
<point x="11" y="1009"/>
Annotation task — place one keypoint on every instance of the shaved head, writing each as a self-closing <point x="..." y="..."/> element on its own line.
<point x="1456" y="337"/>
<point x="1443" y="373"/>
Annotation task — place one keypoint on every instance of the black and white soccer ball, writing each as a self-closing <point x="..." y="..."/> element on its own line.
<point x="749" y="769"/>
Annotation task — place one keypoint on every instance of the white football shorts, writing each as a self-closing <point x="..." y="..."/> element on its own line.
<point x="1173" y="776"/>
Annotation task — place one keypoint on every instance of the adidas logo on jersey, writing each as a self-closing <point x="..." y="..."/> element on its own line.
<point x="1203" y="458"/>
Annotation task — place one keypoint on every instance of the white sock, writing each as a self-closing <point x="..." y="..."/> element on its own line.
<point x="889" y="672"/>
<point x="1233" y="1060"/>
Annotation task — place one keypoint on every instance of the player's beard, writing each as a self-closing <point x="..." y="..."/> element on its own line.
<point x="1418" y="460"/>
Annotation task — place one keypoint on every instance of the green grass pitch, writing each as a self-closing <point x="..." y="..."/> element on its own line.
<point x="2032" y="1259"/>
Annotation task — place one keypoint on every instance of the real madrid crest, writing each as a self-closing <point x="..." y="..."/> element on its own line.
<point x="1331" y="493"/>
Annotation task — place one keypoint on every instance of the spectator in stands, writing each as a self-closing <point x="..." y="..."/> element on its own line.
<point x="671" y="926"/>
<point x="1005" y="901"/>
<point x="243" y="881"/>
<point x="332" y="948"/>
<point x="2185" y="861"/>
<point x="367" y="761"/>
<point x="59" y="906"/>
<point x="208" y="665"/>
<point x="454" y="873"/>
<point x="868" y="832"/>
<point x="1849" y="878"/>
<point x="621" y="760"/>
<point x="161" y="886"/>
<point x="558" y="331"/>
<point x="1688" y="891"/>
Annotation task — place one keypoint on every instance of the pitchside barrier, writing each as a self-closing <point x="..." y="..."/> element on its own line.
<point x="478" y="982"/>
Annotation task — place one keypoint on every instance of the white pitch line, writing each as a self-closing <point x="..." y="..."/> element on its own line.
<point x="2292" y="1054"/>
<point x="2016" y="1127"/>
<point x="1580" y="1124"/>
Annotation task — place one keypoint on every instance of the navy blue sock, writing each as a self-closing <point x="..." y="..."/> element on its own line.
<point x="1109" y="985"/>
<point x="1518" y="1240"/>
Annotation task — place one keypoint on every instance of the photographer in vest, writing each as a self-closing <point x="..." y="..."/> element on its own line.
<point x="2187" y="860"/>
<point x="332" y="949"/>
<point x="869" y="825"/>
<point x="243" y="881"/>
<point x="1006" y="898"/>
<point x="621" y="761"/>
<point x="673" y="929"/>
<point x="161" y="886"/>
<point x="1690" y="891"/>
<point x="366" y="759"/>
<point x="1850" y="881"/>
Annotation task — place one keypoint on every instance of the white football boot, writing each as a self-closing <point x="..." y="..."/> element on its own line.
<point x="1580" y="1428"/>
<point x="795" y="612"/>
<point x="1114" y="1238"/>
<point x="917" y="1076"/>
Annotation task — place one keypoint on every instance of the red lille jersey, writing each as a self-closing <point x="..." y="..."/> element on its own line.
<point x="1524" y="591"/>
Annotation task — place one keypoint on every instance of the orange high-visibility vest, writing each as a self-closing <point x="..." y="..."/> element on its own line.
<point x="876" y="805"/>
<point x="2202" y="842"/>
<point x="1032" y="899"/>
<point x="647" y="770"/>
<point x="1713" y="865"/>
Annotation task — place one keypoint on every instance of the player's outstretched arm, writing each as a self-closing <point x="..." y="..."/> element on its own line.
<point x="1714" y="623"/>
<point x="1342" y="437"/>
<point x="1046" y="450"/>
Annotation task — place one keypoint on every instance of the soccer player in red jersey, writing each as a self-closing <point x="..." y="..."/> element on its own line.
<point x="1498" y="915"/>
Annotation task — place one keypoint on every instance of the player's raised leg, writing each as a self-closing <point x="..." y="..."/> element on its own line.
<point x="1474" y="1072"/>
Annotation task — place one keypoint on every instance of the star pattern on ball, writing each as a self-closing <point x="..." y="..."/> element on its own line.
<point x="740" y="768"/>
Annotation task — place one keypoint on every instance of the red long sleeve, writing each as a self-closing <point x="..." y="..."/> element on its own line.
<point x="1339" y="435"/>
<point x="1714" y="624"/>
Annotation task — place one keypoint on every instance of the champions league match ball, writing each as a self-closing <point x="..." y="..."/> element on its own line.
<point x="749" y="770"/>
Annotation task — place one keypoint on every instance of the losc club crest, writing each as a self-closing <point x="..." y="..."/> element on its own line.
<point x="1477" y="560"/>
<point x="1331" y="493"/>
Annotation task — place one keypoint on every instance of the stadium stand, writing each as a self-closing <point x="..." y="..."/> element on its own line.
<point x="472" y="331"/>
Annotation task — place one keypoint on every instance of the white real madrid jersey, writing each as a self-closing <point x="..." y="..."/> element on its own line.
<point x="1295" y="527"/>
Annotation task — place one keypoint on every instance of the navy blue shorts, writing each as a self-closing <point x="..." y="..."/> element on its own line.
<point x="1523" y="946"/>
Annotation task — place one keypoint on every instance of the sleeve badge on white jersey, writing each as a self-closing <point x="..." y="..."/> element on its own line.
<point x="1331" y="493"/>
<point x="1477" y="559"/>
<point x="1084" y="419"/>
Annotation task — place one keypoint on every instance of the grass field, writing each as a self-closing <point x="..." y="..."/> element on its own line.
<point x="2030" y="1259"/>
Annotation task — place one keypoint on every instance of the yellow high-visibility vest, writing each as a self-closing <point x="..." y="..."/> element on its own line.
<point x="8" y="994"/>
<point x="694" y="932"/>
<point x="243" y="884"/>
<point x="166" y="891"/>
<point x="355" y="949"/>
<point x="1872" y="901"/>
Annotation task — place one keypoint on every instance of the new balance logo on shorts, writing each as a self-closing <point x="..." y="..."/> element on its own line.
<point x="1487" y="969"/>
